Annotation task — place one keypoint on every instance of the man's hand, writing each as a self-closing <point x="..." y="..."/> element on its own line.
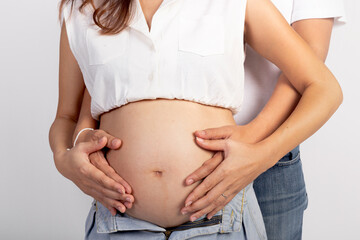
<point x="226" y="173"/>
<point x="87" y="167"/>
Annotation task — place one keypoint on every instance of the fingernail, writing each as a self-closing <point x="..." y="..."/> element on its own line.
<point x="190" y="181"/>
<point x="100" y="140"/>
<point x="209" y="217"/>
<point x="183" y="212"/>
<point x="199" y="139"/>
<point x="202" y="133"/>
<point x="193" y="218"/>
<point x="188" y="203"/>
<point x="128" y="199"/>
<point x="116" y="142"/>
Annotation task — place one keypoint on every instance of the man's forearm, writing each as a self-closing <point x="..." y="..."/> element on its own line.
<point x="317" y="33"/>
<point x="279" y="107"/>
<point x="60" y="134"/>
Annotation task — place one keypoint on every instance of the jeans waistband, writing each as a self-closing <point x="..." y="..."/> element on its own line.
<point x="229" y="221"/>
<point x="217" y="219"/>
<point x="292" y="154"/>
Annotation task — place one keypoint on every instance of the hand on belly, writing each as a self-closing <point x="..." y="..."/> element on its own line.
<point x="158" y="152"/>
<point x="156" y="171"/>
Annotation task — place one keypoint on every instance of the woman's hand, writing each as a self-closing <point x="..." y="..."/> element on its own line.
<point x="99" y="180"/>
<point x="226" y="175"/>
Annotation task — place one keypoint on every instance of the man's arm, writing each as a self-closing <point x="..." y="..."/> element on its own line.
<point x="275" y="113"/>
<point x="317" y="33"/>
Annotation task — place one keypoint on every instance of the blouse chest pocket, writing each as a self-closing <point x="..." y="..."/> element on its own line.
<point x="203" y="35"/>
<point x="104" y="48"/>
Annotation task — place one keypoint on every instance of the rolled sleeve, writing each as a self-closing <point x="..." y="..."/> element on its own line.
<point x="308" y="9"/>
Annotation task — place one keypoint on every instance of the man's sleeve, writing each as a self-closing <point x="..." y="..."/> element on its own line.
<point x="307" y="9"/>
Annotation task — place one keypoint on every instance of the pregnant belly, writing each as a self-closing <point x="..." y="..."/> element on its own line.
<point x="159" y="151"/>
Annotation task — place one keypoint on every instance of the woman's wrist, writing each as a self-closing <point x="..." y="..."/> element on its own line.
<point x="81" y="135"/>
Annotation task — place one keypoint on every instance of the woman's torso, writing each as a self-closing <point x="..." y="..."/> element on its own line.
<point x="159" y="151"/>
<point x="193" y="51"/>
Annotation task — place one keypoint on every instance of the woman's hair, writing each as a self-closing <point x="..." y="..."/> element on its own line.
<point x="112" y="16"/>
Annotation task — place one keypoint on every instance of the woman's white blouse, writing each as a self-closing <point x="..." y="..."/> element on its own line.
<point x="194" y="51"/>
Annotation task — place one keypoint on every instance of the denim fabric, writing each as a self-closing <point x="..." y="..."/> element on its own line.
<point x="282" y="197"/>
<point x="240" y="219"/>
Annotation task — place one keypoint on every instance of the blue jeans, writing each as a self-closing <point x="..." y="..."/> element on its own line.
<point x="282" y="197"/>
<point x="240" y="219"/>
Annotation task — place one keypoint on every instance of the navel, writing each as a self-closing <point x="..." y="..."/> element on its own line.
<point x="158" y="173"/>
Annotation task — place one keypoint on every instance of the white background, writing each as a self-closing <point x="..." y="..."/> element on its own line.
<point x="38" y="203"/>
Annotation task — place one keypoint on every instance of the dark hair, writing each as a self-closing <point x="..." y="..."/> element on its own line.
<point x="112" y="16"/>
